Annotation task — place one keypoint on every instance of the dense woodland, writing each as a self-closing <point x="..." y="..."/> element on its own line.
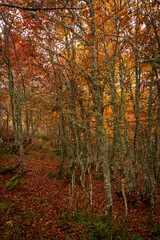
<point x="84" y="76"/>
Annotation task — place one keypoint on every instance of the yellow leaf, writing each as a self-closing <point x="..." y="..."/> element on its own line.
<point x="9" y="223"/>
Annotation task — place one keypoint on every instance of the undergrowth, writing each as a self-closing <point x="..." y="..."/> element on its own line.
<point x="95" y="227"/>
<point x="15" y="222"/>
<point x="13" y="182"/>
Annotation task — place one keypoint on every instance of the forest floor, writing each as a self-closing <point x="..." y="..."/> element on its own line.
<point x="39" y="206"/>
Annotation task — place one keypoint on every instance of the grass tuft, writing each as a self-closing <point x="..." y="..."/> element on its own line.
<point x="13" y="182"/>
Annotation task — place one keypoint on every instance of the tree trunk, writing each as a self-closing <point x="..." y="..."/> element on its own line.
<point x="99" y="117"/>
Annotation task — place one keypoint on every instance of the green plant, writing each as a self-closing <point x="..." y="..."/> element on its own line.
<point x="58" y="175"/>
<point x="25" y="182"/>
<point x="36" y="198"/>
<point x="94" y="227"/>
<point x="3" y="207"/>
<point x="65" y="216"/>
<point x="54" y="154"/>
<point x="134" y="236"/>
<point x="98" y="176"/>
<point x="155" y="231"/>
<point x="13" y="182"/>
<point x="38" y="148"/>
<point x="45" y="204"/>
<point x="51" y="174"/>
<point x="50" y="143"/>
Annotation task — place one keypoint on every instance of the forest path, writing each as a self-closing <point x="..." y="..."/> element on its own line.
<point x="32" y="210"/>
<point x="37" y="201"/>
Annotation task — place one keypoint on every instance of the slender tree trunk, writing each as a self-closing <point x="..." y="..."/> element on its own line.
<point x="126" y="139"/>
<point x="99" y="117"/>
<point x="140" y="152"/>
<point x="11" y="89"/>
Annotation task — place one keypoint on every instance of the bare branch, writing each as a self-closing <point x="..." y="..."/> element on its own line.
<point x="36" y="9"/>
<point x="157" y="1"/>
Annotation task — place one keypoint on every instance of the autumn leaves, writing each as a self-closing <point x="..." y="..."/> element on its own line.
<point x="96" y="66"/>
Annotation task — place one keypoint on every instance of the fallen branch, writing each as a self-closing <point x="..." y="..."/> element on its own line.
<point x="9" y="170"/>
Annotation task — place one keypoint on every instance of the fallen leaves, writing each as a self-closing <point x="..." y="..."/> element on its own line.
<point x="9" y="223"/>
<point x="33" y="208"/>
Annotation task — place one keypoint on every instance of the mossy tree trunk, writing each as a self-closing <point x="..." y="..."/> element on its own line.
<point x="99" y="115"/>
